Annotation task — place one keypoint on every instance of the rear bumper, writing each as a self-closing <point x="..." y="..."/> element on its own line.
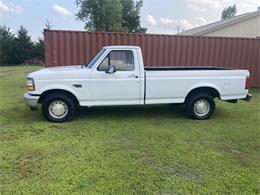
<point x="30" y="100"/>
<point x="247" y="98"/>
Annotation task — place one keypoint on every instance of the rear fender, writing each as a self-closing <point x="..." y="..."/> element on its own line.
<point x="202" y="85"/>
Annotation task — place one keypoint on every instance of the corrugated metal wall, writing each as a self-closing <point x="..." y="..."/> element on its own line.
<point x="79" y="47"/>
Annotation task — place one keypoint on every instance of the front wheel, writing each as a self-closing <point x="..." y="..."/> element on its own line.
<point x="200" y="106"/>
<point x="58" y="108"/>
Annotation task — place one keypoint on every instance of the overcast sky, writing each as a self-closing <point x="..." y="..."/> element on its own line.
<point x="159" y="16"/>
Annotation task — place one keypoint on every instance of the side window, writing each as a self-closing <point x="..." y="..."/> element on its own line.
<point x="104" y="64"/>
<point x="121" y="60"/>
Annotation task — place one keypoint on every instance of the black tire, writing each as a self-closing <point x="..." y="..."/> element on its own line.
<point x="60" y="97"/>
<point x="197" y="98"/>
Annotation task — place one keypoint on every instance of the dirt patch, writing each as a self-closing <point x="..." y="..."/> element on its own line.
<point x="122" y="142"/>
<point x="119" y="140"/>
<point x="28" y="162"/>
<point x="9" y="136"/>
<point x="56" y="127"/>
<point x="182" y="171"/>
<point x="176" y="170"/>
<point x="4" y="113"/>
<point x="36" y="131"/>
<point x="242" y="157"/>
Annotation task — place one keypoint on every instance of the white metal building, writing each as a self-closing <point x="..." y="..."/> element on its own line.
<point x="245" y="25"/>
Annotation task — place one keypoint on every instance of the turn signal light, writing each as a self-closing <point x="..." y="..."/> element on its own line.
<point x="30" y="84"/>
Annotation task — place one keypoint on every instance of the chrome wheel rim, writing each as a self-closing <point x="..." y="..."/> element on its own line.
<point x="201" y="107"/>
<point x="58" y="109"/>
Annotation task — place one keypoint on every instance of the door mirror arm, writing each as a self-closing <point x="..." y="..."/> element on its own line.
<point x="111" y="69"/>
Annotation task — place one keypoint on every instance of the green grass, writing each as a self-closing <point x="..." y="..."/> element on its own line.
<point x="126" y="150"/>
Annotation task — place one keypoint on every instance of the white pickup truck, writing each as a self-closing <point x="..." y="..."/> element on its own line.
<point x="117" y="76"/>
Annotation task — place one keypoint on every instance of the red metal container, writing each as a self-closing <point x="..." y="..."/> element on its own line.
<point x="79" y="47"/>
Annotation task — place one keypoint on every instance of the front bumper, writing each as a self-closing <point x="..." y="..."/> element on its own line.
<point x="30" y="100"/>
<point x="248" y="97"/>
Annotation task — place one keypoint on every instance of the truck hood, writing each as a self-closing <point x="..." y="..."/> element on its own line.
<point x="62" y="72"/>
<point x="65" y="68"/>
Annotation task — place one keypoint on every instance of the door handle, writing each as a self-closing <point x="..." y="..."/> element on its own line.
<point x="77" y="85"/>
<point x="133" y="76"/>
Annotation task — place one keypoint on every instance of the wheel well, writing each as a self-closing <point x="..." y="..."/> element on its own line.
<point x="60" y="91"/>
<point x="209" y="90"/>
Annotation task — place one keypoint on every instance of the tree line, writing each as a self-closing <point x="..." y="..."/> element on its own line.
<point x="98" y="15"/>
<point x="19" y="47"/>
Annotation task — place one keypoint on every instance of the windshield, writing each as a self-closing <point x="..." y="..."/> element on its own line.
<point x="95" y="59"/>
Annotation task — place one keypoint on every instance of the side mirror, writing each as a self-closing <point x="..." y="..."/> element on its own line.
<point x="111" y="69"/>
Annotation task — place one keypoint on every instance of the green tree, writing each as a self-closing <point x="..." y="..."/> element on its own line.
<point x="7" y="38"/>
<point x="131" y="16"/>
<point x="38" y="49"/>
<point x="17" y="49"/>
<point x="110" y="15"/>
<point x="23" y="46"/>
<point x="229" y="12"/>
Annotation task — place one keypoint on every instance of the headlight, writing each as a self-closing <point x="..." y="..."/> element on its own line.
<point x="30" y="84"/>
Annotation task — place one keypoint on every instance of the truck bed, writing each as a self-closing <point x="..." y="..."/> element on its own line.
<point x="165" y="84"/>
<point x="178" y="68"/>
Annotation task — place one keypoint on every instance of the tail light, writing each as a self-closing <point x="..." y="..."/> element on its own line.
<point x="247" y="85"/>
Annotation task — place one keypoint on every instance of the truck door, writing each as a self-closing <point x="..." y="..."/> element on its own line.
<point x="116" y="80"/>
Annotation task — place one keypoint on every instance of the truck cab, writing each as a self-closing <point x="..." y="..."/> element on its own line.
<point x="118" y="77"/>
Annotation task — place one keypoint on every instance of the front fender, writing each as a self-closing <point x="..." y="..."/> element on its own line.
<point x="58" y="87"/>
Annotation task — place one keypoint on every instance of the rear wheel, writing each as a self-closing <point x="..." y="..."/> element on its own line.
<point x="200" y="106"/>
<point x="58" y="107"/>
